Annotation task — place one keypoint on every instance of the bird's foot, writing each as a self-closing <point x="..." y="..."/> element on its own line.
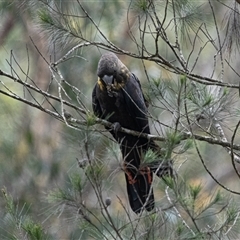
<point x="146" y="171"/>
<point x="116" y="127"/>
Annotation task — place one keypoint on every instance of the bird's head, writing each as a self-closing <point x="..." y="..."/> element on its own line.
<point x="112" y="72"/>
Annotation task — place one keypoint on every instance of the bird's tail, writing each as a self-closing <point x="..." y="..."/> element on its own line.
<point x="139" y="176"/>
<point x="140" y="193"/>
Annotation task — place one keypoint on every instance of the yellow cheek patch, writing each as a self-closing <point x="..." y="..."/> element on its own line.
<point x="117" y="85"/>
<point x="100" y="84"/>
<point x="125" y="71"/>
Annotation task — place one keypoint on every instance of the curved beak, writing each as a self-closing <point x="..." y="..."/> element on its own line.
<point x="108" y="80"/>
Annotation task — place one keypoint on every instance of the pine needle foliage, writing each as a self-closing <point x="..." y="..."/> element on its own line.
<point x="232" y="20"/>
<point x="189" y="17"/>
<point x="177" y="50"/>
<point x="18" y="224"/>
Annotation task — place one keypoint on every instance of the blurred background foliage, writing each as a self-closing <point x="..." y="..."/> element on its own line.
<point x="39" y="154"/>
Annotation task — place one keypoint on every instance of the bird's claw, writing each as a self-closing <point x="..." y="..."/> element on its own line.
<point x="116" y="127"/>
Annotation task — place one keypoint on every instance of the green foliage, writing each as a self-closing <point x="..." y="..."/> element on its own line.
<point x="59" y="195"/>
<point x="217" y="198"/>
<point x="232" y="22"/>
<point x="172" y="140"/>
<point x="188" y="144"/>
<point x="77" y="182"/>
<point x="91" y="119"/>
<point x="169" y="181"/>
<point x="22" y="222"/>
<point x="157" y="82"/>
<point x="90" y="200"/>
<point x="141" y="5"/>
<point x="179" y="228"/>
<point x="95" y="171"/>
<point x="150" y="156"/>
<point x="208" y="100"/>
<point x="189" y="17"/>
<point x="201" y="208"/>
<point x="194" y="191"/>
<point x="183" y="79"/>
<point x="33" y="230"/>
<point x="45" y="17"/>
<point x="10" y="207"/>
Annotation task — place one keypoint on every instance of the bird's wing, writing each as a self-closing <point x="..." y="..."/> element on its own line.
<point x="145" y="100"/>
<point x="136" y="106"/>
<point x="95" y="103"/>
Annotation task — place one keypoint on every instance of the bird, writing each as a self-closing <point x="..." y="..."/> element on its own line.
<point x="117" y="97"/>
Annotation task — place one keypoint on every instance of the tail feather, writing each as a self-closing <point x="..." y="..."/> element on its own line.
<point x="139" y="190"/>
<point x="138" y="176"/>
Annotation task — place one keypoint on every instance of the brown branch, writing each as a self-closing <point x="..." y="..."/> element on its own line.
<point x="38" y="90"/>
<point x="186" y="135"/>
<point x="54" y="114"/>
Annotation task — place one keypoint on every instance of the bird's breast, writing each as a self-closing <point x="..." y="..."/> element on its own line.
<point x="114" y="107"/>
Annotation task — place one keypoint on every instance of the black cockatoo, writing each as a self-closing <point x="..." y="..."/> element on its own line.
<point x="118" y="98"/>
